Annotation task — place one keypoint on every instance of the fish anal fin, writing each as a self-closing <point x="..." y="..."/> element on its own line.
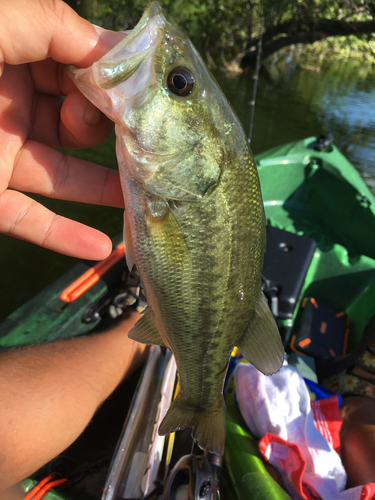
<point x="261" y="343"/>
<point x="145" y="332"/>
<point x="207" y="426"/>
<point x="129" y="250"/>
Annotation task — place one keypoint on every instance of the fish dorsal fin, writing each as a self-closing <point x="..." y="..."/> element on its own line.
<point x="145" y="332"/>
<point x="129" y="250"/>
<point x="261" y="343"/>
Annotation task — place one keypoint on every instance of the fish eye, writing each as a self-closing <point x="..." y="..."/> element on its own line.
<point x="180" y="81"/>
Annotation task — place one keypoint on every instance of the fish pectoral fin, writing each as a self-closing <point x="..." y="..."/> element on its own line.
<point x="261" y="343"/>
<point x="145" y="332"/>
<point x="128" y="241"/>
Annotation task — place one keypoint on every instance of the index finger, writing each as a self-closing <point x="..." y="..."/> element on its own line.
<point x="28" y="220"/>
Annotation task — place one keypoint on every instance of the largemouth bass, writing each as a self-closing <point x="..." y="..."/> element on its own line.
<point x="194" y="219"/>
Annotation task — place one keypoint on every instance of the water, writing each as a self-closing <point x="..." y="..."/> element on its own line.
<point x="292" y="103"/>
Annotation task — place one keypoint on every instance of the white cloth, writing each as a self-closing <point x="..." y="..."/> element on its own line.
<point x="279" y="405"/>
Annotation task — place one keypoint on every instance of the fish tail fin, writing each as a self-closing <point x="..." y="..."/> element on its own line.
<point x="207" y="426"/>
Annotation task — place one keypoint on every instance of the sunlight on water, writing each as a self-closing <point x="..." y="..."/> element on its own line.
<point x="294" y="103"/>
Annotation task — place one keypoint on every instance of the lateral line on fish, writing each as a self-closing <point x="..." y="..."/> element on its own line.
<point x="222" y="300"/>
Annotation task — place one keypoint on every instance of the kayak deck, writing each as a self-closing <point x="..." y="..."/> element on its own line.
<point x="321" y="195"/>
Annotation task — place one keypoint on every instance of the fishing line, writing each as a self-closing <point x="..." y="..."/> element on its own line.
<point x="255" y="78"/>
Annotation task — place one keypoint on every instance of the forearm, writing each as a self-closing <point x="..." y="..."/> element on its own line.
<point x="49" y="393"/>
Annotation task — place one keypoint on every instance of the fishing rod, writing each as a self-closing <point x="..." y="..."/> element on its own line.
<point x="255" y="78"/>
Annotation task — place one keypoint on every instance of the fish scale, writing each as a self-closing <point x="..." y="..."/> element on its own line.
<point x="194" y="219"/>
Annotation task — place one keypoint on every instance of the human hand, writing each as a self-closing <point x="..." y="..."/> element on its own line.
<point x="36" y="39"/>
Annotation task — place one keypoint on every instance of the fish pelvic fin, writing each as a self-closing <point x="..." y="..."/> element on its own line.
<point x="261" y="343"/>
<point x="207" y="426"/>
<point x="144" y="331"/>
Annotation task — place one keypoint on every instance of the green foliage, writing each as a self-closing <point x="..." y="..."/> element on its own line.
<point x="311" y="56"/>
<point x="215" y="25"/>
<point x="351" y="47"/>
<point x="225" y="30"/>
<point x="120" y="15"/>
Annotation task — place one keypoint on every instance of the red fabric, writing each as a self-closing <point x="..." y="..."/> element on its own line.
<point x="328" y="420"/>
<point x="288" y="460"/>
<point x="368" y="492"/>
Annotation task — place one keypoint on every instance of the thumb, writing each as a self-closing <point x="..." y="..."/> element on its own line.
<point x="36" y="30"/>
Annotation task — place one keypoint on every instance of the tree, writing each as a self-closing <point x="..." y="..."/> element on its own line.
<point x="290" y="23"/>
<point x="229" y="30"/>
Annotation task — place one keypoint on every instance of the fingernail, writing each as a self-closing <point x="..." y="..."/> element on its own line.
<point x="92" y="115"/>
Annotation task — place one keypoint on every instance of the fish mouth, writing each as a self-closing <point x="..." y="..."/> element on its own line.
<point x="120" y="64"/>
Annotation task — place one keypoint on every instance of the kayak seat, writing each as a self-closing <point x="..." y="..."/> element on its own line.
<point x="286" y="262"/>
<point x="322" y="330"/>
